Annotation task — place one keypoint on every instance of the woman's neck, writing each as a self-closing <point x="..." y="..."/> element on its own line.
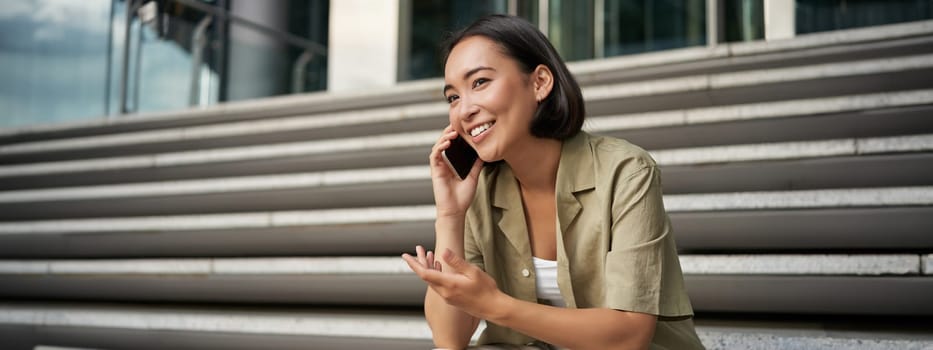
<point x="535" y="164"/>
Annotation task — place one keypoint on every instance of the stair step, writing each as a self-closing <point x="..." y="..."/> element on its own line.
<point x="410" y="185"/>
<point x="178" y="327"/>
<point x="431" y="116"/>
<point x="815" y="199"/>
<point x="887" y="284"/>
<point x="409" y="148"/>
<point x="692" y="264"/>
<point x="781" y="230"/>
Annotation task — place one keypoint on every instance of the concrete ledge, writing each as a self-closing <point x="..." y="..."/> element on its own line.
<point x="834" y="198"/>
<point x="790" y="150"/>
<point x="906" y="229"/>
<point x="114" y="322"/>
<point x="776" y="293"/>
<point x="835" y="37"/>
<point x="903" y="264"/>
<point x="233" y="129"/>
<point x="18" y="337"/>
<point x="831" y="198"/>
<point x="347" y="324"/>
<point x="893" y="144"/>
<point x="756" y="78"/>
<point x="765" y="110"/>
<point x="766" y="264"/>
<point x="222" y="185"/>
<point x="730" y="340"/>
<point x="806" y="41"/>
<point x="365" y="239"/>
<point x="401" y="186"/>
<point x="426" y="87"/>
<point x="226" y="221"/>
<point x="904" y="295"/>
<point x="698" y="155"/>
<point x="427" y="110"/>
<point x="894" y="229"/>
<point x="233" y="154"/>
<point x="214" y="266"/>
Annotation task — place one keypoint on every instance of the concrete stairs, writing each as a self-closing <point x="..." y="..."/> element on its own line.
<point x="798" y="175"/>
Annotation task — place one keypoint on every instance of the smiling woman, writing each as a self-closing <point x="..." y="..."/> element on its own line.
<point x="561" y="240"/>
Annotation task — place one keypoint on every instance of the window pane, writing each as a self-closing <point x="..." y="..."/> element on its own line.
<point x="634" y="26"/>
<point x="54" y="60"/>
<point x="570" y="28"/>
<point x="431" y="22"/>
<point x="823" y="15"/>
<point x="744" y="20"/>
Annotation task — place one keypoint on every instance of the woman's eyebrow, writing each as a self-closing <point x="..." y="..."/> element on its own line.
<point x="474" y="70"/>
<point x="467" y="76"/>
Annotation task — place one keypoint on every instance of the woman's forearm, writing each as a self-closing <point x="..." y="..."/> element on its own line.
<point x="451" y="327"/>
<point x="579" y="329"/>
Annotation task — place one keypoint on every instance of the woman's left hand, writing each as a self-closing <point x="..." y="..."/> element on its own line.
<point x="465" y="286"/>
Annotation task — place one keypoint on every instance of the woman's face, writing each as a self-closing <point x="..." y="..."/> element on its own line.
<point x="491" y="100"/>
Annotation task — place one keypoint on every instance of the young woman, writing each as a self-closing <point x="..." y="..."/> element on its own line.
<point x="561" y="239"/>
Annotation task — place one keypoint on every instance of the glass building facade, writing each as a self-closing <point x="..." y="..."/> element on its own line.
<point x="70" y="60"/>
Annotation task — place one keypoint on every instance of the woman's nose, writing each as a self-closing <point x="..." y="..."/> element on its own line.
<point x="467" y="109"/>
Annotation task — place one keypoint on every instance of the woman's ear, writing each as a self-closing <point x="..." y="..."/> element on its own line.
<point x="543" y="81"/>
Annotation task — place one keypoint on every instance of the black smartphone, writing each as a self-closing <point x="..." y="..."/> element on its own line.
<point x="460" y="156"/>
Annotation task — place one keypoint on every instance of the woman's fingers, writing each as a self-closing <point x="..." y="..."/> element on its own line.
<point x="422" y="259"/>
<point x="477" y="167"/>
<point x="435" y="159"/>
<point x="442" y="144"/>
<point x="430" y="260"/>
<point x="432" y="277"/>
<point x="414" y="265"/>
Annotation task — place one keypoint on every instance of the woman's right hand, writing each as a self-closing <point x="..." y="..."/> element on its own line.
<point x="452" y="196"/>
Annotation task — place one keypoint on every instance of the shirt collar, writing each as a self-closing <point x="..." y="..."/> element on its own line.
<point x="575" y="173"/>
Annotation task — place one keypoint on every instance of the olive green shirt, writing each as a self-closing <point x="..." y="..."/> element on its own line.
<point x="615" y="248"/>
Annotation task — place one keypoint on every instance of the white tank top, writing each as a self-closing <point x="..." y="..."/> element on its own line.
<point x="546" y="282"/>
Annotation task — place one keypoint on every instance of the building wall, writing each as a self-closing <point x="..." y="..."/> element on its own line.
<point x="58" y="69"/>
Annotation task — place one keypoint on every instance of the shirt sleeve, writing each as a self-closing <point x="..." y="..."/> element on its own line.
<point x="642" y="269"/>
<point x="471" y="250"/>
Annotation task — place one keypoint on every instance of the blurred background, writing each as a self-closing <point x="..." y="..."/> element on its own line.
<point x="239" y="174"/>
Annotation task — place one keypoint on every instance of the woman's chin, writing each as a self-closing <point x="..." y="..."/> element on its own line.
<point x="489" y="157"/>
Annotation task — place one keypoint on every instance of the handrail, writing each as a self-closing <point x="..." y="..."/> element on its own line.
<point x="310" y="48"/>
<point x="198" y="41"/>
<point x="299" y="71"/>
<point x="224" y="14"/>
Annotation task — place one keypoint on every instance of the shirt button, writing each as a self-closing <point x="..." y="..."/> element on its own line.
<point x="526" y="273"/>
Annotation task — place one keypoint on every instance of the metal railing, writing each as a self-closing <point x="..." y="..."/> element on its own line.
<point x="149" y="11"/>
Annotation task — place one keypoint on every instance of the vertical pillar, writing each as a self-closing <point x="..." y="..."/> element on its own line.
<point x="363" y="44"/>
<point x="780" y="21"/>
<point x="544" y="13"/>
<point x="715" y="23"/>
<point x="256" y="60"/>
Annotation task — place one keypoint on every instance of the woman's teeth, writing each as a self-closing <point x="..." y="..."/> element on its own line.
<point x="479" y="129"/>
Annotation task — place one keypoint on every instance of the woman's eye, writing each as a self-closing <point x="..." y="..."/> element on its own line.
<point x="452" y="98"/>
<point x="479" y="82"/>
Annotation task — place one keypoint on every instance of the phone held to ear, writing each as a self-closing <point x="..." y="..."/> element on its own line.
<point x="460" y="157"/>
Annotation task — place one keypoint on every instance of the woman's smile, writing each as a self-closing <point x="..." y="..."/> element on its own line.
<point x="480" y="132"/>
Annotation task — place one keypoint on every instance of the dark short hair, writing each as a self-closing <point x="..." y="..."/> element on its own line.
<point x="560" y="115"/>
